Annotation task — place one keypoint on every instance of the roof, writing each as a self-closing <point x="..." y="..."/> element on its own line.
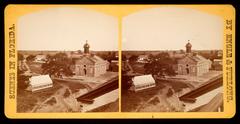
<point x="213" y="105"/>
<point x="196" y="58"/>
<point x="40" y="80"/>
<point x="93" y="58"/>
<point x="208" y="86"/>
<point x="188" y="45"/>
<point x="143" y="79"/>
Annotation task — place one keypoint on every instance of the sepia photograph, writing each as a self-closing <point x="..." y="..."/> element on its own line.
<point x="90" y="61"/>
<point x="172" y="61"/>
<point x="67" y="61"/>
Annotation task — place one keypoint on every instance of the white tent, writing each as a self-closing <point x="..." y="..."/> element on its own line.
<point x="40" y="82"/>
<point x="143" y="82"/>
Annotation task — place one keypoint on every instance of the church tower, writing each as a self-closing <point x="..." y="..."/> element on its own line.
<point x="86" y="47"/>
<point x="188" y="47"/>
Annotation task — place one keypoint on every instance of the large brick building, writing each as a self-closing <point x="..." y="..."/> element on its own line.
<point x="87" y="64"/>
<point x="192" y="63"/>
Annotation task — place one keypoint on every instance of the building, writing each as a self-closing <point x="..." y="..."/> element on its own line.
<point x="114" y="66"/>
<point x="205" y="98"/>
<point x="217" y="64"/>
<point x="192" y="63"/>
<point x="142" y="82"/>
<point x="220" y="53"/>
<point x="87" y="64"/>
<point x="104" y="94"/>
<point x="40" y="58"/>
<point x="142" y="59"/>
<point x="39" y="82"/>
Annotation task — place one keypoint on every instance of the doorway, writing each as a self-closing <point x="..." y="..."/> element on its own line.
<point x="187" y="69"/>
<point x="85" y="70"/>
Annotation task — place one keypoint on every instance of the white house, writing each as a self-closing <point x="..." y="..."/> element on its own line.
<point x="40" y="58"/>
<point x="142" y="59"/>
<point x="142" y="82"/>
<point x="40" y="82"/>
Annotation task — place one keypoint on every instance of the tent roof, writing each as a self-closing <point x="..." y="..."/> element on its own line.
<point x="143" y="79"/>
<point x="40" y="80"/>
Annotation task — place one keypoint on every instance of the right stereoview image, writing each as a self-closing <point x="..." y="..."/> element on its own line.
<point x="172" y="61"/>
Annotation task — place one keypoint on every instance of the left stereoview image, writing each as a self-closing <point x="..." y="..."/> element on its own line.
<point x="67" y="61"/>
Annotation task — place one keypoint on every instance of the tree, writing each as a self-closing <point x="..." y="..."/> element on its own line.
<point x="30" y="58"/>
<point x="124" y="57"/>
<point x="57" y="65"/>
<point x="20" y="57"/>
<point x="160" y="65"/>
<point x="133" y="58"/>
<point x="182" y="51"/>
<point x="22" y="80"/>
<point x="79" y="51"/>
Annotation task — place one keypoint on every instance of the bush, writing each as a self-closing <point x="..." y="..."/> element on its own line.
<point x="170" y="92"/>
<point x="30" y="58"/>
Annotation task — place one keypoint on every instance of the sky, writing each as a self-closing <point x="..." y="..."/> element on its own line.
<point x="170" y="28"/>
<point x="67" y="29"/>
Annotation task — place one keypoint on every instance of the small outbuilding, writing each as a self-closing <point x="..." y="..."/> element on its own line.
<point x="217" y="65"/>
<point x="142" y="82"/>
<point x="40" y="82"/>
<point x="40" y="58"/>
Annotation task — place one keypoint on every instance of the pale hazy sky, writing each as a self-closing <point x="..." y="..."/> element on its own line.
<point x="169" y="28"/>
<point x="67" y="29"/>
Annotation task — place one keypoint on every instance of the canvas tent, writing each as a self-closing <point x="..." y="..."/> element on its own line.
<point x="40" y="82"/>
<point x="142" y="82"/>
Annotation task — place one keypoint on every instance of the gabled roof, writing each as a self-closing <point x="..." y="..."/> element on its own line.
<point x="93" y="58"/>
<point x="143" y="79"/>
<point x="198" y="58"/>
<point x="40" y="80"/>
<point x="195" y="58"/>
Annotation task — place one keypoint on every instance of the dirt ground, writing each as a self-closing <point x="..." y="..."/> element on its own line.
<point x="62" y="96"/>
<point x="111" y="107"/>
<point x="26" y="100"/>
<point x="155" y="99"/>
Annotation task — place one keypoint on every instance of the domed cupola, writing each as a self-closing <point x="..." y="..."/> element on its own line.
<point x="86" y="47"/>
<point x="188" y="47"/>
